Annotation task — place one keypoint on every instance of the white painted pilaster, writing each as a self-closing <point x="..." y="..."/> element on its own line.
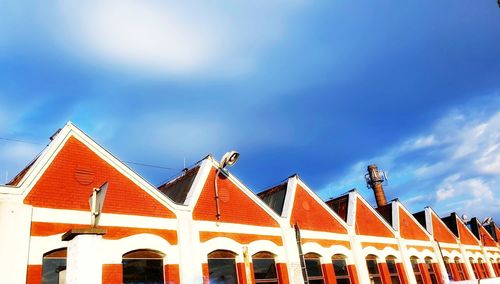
<point x="84" y="260"/>
<point x="15" y="222"/>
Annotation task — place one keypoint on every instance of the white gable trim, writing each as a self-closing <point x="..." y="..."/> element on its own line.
<point x="395" y="216"/>
<point x="467" y="228"/>
<point x="204" y="172"/>
<point x="198" y="184"/>
<point x="432" y="212"/>
<point x="386" y="224"/>
<point x="414" y="220"/>
<point x="291" y="188"/>
<point x="69" y="130"/>
<point x="351" y="209"/>
<point x="322" y="203"/>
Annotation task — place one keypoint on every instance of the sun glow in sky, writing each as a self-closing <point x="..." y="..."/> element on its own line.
<point x="318" y="88"/>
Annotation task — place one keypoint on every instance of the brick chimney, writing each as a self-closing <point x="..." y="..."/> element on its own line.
<point x="374" y="180"/>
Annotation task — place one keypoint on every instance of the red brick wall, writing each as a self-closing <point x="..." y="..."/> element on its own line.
<point x="206" y="274"/>
<point x="113" y="233"/>
<point x="368" y="224"/>
<point x="76" y="170"/>
<point x="172" y="274"/>
<point x="440" y="231"/>
<point x="353" y="274"/>
<point x="454" y="272"/>
<point x="466" y="272"/>
<point x="384" y="273"/>
<point x="437" y="271"/>
<point x="402" y="273"/>
<point x="34" y="274"/>
<point x="235" y="206"/>
<point x="409" y="228"/>
<point x="328" y="273"/>
<point x="486" y="238"/>
<point x="310" y="215"/>
<point x="425" y="273"/>
<point x="242" y="274"/>
<point x="282" y="272"/>
<point x="112" y="273"/>
<point x="466" y="236"/>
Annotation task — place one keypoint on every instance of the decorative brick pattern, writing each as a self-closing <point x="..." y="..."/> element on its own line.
<point x="409" y="228"/>
<point x="441" y="232"/>
<point x="368" y="223"/>
<point x="235" y="206"/>
<point x="60" y="188"/>
<point x="310" y="215"/>
<point x="466" y="236"/>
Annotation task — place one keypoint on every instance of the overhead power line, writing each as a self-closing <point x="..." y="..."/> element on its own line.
<point x="152" y="166"/>
<point x="20" y="141"/>
<point x="128" y="162"/>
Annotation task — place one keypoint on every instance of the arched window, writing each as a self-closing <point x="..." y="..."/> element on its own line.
<point x="222" y="267"/>
<point x="448" y="267"/>
<point x="340" y="268"/>
<point x="393" y="270"/>
<point x="430" y="268"/>
<point x="474" y="267"/>
<point x="143" y="266"/>
<point x="483" y="268"/>
<point x="373" y="271"/>
<point x="416" y="269"/>
<point x="54" y="266"/>
<point x="314" y="271"/>
<point x="264" y="268"/>
<point x="495" y="267"/>
<point x="460" y="268"/>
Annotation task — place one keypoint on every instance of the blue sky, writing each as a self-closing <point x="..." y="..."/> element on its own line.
<point x="318" y="88"/>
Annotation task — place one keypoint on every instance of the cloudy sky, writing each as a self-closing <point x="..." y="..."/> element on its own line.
<point x="318" y="88"/>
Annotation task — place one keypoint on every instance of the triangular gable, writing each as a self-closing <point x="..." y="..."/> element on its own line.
<point x="440" y="231"/>
<point x="409" y="228"/>
<point x="369" y="222"/>
<point x="74" y="169"/>
<point x="237" y="204"/>
<point x="486" y="238"/>
<point x="312" y="214"/>
<point x="466" y="236"/>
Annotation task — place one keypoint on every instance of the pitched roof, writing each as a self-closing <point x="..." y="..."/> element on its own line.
<point x="340" y="205"/>
<point x="386" y="212"/>
<point x="274" y="197"/>
<point x="178" y="188"/>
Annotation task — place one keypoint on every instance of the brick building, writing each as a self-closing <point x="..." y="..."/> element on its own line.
<point x="205" y="226"/>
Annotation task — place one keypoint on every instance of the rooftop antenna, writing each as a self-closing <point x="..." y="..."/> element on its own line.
<point x="487" y="221"/>
<point x="96" y="202"/>
<point x="465" y="218"/>
<point x="375" y="179"/>
<point x="229" y="159"/>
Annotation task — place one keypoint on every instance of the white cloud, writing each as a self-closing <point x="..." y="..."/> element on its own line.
<point x="460" y="165"/>
<point x="168" y="37"/>
<point x="420" y="142"/>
